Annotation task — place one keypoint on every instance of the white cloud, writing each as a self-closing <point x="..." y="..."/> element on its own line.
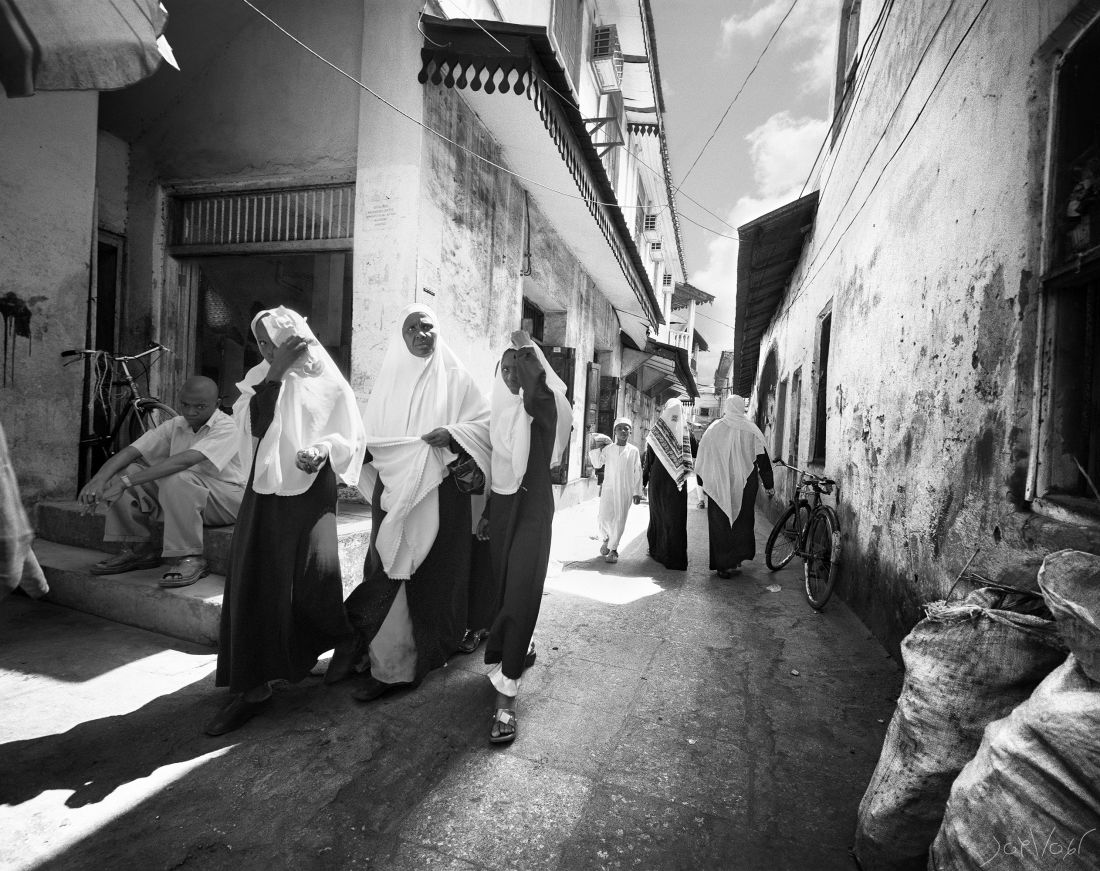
<point x="782" y="150"/>
<point x="811" y="28"/>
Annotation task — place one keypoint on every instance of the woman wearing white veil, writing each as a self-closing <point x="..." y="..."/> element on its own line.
<point x="424" y="414"/>
<point x="732" y="462"/>
<point x="668" y="462"/>
<point x="531" y="422"/>
<point x="283" y="600"/>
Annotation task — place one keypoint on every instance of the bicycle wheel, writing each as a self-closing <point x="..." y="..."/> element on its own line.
<point x="150" y="415"/>
<point x="822" y="554"/>
<point x="783" y="540"/>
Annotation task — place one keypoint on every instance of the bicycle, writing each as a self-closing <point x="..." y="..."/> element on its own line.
<point x="139" y="415"/>
<point x="811" y="530"/>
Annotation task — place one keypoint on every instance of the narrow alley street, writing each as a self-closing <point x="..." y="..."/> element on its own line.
<point x="672" y="721"/>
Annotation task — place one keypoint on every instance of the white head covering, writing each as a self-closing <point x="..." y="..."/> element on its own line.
<point x="671" y="442"/>
<point x="727" y="453"/>
<point x="411" y="397"/>
<point x="511" y="426"/>
<point x="315" y="406"/>
<point x="625" y="420"/>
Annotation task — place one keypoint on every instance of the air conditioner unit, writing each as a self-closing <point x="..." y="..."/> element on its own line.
<point x="650" y="229"/>
<point x="656" y="251"/>
<point x="607" y="57"/>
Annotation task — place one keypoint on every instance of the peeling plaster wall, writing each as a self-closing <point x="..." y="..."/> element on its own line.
<point x="470" y="254"/>
<point x="47" y="186"/>
<point x="933" y="292"/>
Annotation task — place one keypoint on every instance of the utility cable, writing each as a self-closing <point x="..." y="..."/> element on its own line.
<point x="714" y="132"/>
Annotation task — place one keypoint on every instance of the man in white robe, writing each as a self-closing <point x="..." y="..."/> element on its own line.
<point x="622" y="484"/>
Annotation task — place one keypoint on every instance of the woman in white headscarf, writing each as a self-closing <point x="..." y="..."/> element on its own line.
<point x="531" y="421"/>
<point x="732" y="462"/>
<point x="283" y="601"/>
<point x="668" y="462"/>
<point x="425" y="418"/>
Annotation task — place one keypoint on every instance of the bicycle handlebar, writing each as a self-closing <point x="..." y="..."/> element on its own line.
<point x="91" y="352"/>
<point x="807" y="477"/>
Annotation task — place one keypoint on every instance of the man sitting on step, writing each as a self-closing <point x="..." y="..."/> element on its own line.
<point x="186" y="472"/>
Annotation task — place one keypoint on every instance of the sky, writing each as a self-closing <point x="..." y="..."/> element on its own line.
<point x="763" y="152"/>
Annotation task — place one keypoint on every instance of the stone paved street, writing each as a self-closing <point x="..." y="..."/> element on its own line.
<point x="673" y="721"/>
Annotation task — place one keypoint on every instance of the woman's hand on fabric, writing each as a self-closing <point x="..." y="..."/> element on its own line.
<point x="770" y="493"/>
<point x="286" y="355"/>
<point x="310" y="460"/>
<point x="482" y="529"/>
<point x="440" y="437"/>
<point x="637" y="500"/>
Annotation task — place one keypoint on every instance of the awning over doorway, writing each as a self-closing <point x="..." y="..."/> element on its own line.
<point x="498" y="64"/>
<point x="78" y="45"/>
<point x="769" y="250"/>
<point x="661" y="368"/>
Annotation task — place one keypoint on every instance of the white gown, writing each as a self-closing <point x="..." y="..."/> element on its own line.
<point x="622" y="481"/>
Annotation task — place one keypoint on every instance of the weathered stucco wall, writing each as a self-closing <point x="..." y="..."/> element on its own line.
<point x="260" y="106"/>
<point x="47" y="186"/>
<point x="933" y="292"/>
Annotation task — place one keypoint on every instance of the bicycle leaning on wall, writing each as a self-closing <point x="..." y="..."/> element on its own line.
<point x="810" y="529"/>
<point x="121" y="413"/>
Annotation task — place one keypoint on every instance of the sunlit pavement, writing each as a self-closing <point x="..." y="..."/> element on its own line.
<point x="673" y="720"/>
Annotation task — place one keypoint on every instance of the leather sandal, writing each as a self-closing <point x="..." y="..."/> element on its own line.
<point x="127" y="561"/>
<point x="503" y="718"/>
<point x="188" y="570"/>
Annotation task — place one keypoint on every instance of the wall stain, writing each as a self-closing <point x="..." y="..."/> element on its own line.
<point x="16" y="313"/>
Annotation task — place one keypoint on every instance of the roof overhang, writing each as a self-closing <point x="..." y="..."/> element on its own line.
<point x="90" y="45"/>
<point x="667" y="367"/>
<point x="769" y="250"/>
<point x="496" y="64"/>
<point x="685" y="294"/>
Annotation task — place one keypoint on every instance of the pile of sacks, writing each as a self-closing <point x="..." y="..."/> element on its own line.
<point x="992" y="758"/>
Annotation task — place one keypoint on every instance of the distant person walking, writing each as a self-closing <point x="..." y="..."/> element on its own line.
<point x="622" y="485"/>
<point x="668" y="461"/>
<point x="732" y="462"/>
<point x="531" y="420"/>
<point x="283" y="605"/>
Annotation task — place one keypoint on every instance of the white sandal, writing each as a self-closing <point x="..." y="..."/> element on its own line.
<point x="503" y="718"/>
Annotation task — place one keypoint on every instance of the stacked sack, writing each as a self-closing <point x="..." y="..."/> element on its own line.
<point x="1030" y="798"/>
<point x="968" y="663"/>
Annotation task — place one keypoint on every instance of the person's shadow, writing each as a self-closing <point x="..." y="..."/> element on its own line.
<point x="96" y="757"/>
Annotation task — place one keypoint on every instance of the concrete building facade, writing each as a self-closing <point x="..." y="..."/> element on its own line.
<point x="922" y="325"/>
<point x="328" y="156"/>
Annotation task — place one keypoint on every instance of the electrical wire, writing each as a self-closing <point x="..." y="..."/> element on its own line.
<point x="866" y="61"/>
<point x="714" y="132"/>
<point x="935" y="86"/>
<point x="419" y="123"/>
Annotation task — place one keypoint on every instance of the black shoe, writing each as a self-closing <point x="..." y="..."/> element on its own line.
<point x="343" y="660"/>
<point x="373" y="688"/>
<point x="724" y="573"/>
<point x="472" y="640"/>
<point x="234" y="715"/>
<point x="529" y="660"/>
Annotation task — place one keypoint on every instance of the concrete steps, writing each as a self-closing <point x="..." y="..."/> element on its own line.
<point x="69" y="542"/>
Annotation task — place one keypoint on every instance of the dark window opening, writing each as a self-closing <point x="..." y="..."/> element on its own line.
<point x="795" y="415"/>
<point x="822" y="388"/>
<point x="847" y="63"/>
<point x="533" y="320"/>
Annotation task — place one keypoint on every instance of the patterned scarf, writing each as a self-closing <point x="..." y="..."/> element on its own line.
<point x="672" y="442"/>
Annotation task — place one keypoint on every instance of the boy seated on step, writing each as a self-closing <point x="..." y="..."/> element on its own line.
<point x="186" y="472"/>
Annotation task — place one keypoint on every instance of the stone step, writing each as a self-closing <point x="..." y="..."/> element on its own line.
<point x="135" y="598"/>
<point x="69" y="543"/>
<point x="65" y="523"/>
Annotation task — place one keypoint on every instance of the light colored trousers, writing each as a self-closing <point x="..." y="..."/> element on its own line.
<point x="185" y="502"/>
